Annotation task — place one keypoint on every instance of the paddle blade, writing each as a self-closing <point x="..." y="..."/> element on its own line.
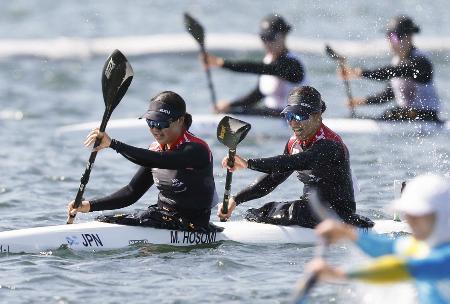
<point x="332" y="54"/>
<point x="116" y="78"/>
<point x="231" y="131"/>
<point x="195" y="29"/>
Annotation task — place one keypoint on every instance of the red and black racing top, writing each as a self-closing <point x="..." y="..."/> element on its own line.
<point x="321" y="162"/>
<point x="183" y="175"/>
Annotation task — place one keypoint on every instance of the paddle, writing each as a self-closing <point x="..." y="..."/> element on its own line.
<point x="323" y="211"/>
<point x="196" y="30"/>
<point x="230" y="132"/>
<point x="116" y="78"/>
<point x="341" y="62"/>
<point x="399" y="186"/>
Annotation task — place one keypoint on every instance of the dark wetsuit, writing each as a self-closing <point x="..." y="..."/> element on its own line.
<point x="277" y="79"/>
<point x="322" y="162"/>
<point x="410" y="84"/>
<point x="183" y="176"/>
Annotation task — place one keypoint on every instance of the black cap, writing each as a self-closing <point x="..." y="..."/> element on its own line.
<point x="402" y="25"/>
<point x="272" y="25"/>
<point x="165" y="106"/>
<point x="304" y="100"/>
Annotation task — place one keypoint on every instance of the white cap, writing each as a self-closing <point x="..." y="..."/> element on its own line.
<point x="424" y="195"/>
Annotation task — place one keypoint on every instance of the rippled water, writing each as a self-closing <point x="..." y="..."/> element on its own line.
<point x="40" y="171"/>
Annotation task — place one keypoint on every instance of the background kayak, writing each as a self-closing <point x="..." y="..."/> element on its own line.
<point x="40" y="171"/>
<point x="205" y="124"/>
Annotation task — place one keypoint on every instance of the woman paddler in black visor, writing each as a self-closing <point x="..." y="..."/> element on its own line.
<point x="178" y="163"/>
<point x="318" y="156"/>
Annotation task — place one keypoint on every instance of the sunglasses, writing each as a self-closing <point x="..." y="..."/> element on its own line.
<point x="158" y="124"/>
<point x="393" y="37"/>
<point x="290" y="116"/>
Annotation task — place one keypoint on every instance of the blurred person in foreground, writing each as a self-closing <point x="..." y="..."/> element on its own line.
<point x="423" y="256"/>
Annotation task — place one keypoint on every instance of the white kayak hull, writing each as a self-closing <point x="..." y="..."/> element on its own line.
<point x="96" y="236"/>
<point x="206" y="125"/>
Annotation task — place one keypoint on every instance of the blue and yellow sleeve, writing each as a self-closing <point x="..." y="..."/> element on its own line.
<point x="374" y="245"/>
<point x="386" y="269"/>
<point x="435" y="266"/>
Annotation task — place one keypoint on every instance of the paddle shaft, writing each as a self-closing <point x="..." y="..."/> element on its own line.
<point x="323" y="211"/>
<point x="212" y="91"/>
<point x="87" y="172"/>
<point x="348" y="91"/>
<point x="341" y="63"/>
<point x="311" y="280"/>
<point x="229" y="179"/>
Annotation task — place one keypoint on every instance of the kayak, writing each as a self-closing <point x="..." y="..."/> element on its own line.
<point x="206" y="125"/>
<point x="176" y="43"/>
<point x="97" y="236"/>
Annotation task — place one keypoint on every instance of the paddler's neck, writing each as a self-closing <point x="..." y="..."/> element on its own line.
<point x="174" y="142"/>
<point x="311" y="136"/>
<point x="275" y="54"/>
<point x="406" y="48"/>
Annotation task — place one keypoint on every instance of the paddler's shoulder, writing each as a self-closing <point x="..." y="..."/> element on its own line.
<point x="408" y="246"/>
<point x="190" y="137"/>
<point x="330" y="133"/>
<point x="196" y="143"/>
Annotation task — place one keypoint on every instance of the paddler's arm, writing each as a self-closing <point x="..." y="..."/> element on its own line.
<point x="263" y="185"/>
<point x="250" y="99"/>
<point x="286" y="68"/>
<point x="224" y="106"/>
<point x="348" y="73"/>
<point x="390" y="269"/>
<point x="190" y="155"/>
<point x="383" y="270"/>
<point x="374" y="245"/>
<point x="257" y="189"/>
<point x="384" y="96"/>
<point x="322" y="152"/>
<point x="420" y="69"/>
<point x="387" y="269"/>
<point x="124" y="197"/>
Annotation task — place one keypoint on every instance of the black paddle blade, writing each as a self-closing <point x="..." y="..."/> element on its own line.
<point x="195" y="29"/>
<point x="332" y="54"/>
<point x="116" y="78"/>
<point x="232" y="131"/>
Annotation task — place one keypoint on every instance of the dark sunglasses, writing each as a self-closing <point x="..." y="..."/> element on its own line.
<point x="290" y="116"/>
<point x="158" y="124"/>
<point x="393" y="37"/>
